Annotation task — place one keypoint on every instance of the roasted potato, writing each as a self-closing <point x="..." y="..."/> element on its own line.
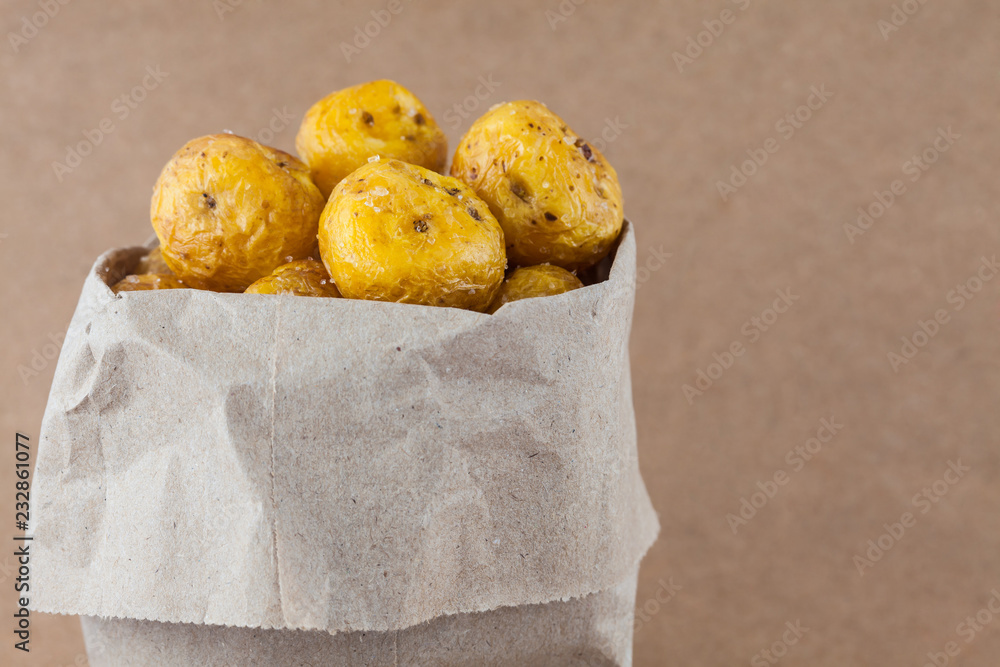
<point x="393" y="231"/>
<point x="153" y="263"/>
<point x="228" y="211"/>
<point x="556" y="197"/>
<point x="147" y="281"/>
<point x="531" y="281"/>
<point x="341" y="131"/>
<point x="305" y="277"/>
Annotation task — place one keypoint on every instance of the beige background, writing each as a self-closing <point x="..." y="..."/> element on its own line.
<point x="679" y="133"/>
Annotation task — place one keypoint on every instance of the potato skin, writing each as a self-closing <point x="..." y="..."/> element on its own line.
<point x="393" y="231"/>
<point x="305" y="277"/>
<point x="528" y="282"/>
<point x="147" y="281"/>
<point x="556" y="197"/>
<point x="340" y="132"/>
<point x="153" y="263"/>
<point x="228" y="211"/>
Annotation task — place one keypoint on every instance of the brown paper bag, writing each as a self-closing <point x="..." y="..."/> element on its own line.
<point x="595" y="630"/>
<point x="303" y="464"/>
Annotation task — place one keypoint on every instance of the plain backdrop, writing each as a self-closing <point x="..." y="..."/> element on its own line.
<point x="806" y="111"/>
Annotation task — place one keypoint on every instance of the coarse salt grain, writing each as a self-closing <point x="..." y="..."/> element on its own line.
<point x="374" y="158"/>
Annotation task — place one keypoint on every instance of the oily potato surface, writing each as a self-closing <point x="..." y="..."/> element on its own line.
<point x="147" y="281"/>
<point x="305" y="277"/>
<point x="528" y="282"/>
<point x="393" y="231"/>
<point x="228" y="211"/>
<point x="153" y="263"/>
<point x="340" y="132"/>
<point x="556" y="197"/>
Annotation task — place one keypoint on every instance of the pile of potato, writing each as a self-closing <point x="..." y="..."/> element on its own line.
<point x="369" y="199"/>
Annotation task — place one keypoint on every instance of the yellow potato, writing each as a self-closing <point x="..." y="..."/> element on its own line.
<point x="556" y="197"/>
<point x="228" y="211"/>
<point x="147" y="281"/>
<point x="153" y="263"/>
<point x="397" y="232"/>
<point x="341" y="131"/>
<point x="305" y="277"/>
<point x="531" y="281"/>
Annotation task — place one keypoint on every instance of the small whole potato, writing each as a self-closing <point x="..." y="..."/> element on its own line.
<point x="147" y="281"/>
<point x="393" y="231"/>
<point x="153" y="263"/>
<point x="228" y="211"/>
<point x="556" y="197"/>
<point x="305" y="277"/>
<point x="341" y="131"/>
<point x="531" y="281"/>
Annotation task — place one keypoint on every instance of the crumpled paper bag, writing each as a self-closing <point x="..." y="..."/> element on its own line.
<point x="336" y="465"/>
<point x="595" y="630"/>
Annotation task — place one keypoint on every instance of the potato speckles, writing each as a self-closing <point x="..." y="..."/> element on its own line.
<point x="549" y="189"/>
<point x="534" y="281"/>
<point x="392" y="252"/>
<point x="306" y="277"/>
<point x="208" y="211"/>
<point x="347" y="128"/>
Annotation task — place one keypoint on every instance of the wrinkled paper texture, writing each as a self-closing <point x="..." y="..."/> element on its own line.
<point x="592" y="631"/>
<point x="330" y="464"/>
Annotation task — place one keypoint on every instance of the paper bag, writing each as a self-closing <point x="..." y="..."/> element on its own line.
<point x="595" y="630"/>
<point x="340" y="466"/>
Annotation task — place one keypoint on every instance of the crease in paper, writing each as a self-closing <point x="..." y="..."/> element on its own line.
<point x="411" y="463"/>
